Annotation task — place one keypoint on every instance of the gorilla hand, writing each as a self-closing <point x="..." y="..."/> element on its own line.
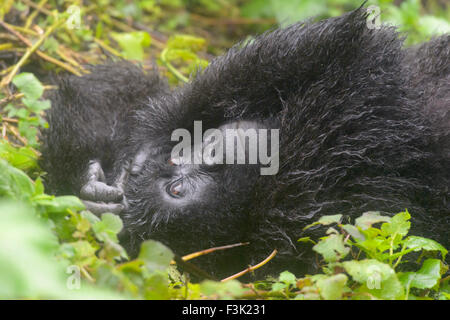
<point x="99" y="197"/>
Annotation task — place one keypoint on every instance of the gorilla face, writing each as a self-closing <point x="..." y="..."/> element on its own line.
<point x="191" y="206"/>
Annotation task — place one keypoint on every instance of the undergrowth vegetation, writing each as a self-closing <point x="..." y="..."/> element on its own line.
<point x="50" y="247"/>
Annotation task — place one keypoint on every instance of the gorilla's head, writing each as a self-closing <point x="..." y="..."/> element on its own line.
<point x="200" y="197"/>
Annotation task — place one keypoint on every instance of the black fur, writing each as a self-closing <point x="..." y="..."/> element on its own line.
<point x="364" y="125"/>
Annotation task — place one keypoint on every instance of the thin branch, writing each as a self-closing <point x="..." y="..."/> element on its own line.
<point x="11" y="29"/>
<point x="11" y="98"/>
<point x="34" y="14"/>
<point x="64" y="56"/>
<point x="207" y="251"/>
<point x="9" y="120"/>
<point x="16" y="133"/>
<point x="37" y="7"/>
<point x="108" y="48"/>
<point x="171" y="68"/>
<point x="87" y="275"/>
<point x="251" y="268"/>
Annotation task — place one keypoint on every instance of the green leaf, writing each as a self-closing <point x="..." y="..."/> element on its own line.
<point x="14" y="183"/>
<point x="279" y="286"/>
<point x="369" y="218"/>
<point x="83" y="249"/>
<point x="157" y="287"/>
<point x="92" y="218"/>
<point x="326" y="220"/>
<point x="399" y="225"/>
<point x="39" y="187"/>
<point x="36" y="105"/>
<point x="377" y="278"/>
<point x="61" y="204"/>
<point x="193" y="44"/>
<point x="427" y="277"/>
<point x="332" y="248"/>
<point x="133" y="43"/>
<point x="155" y="255"/>
<point x="331" y="288"/>
<point x="434" y="25"/>
<point x="108" y="228"/>
<point x="354" y="232"/>
<point x="26" y="246"/>
<point x="23" y="158"/>
<point x="305" y="240"/>
<point x="287" y="277"/>
<point x="28" y="268"/>
<point x="29" y="85"/>
<point x="419" y="243"/>
<point x="223" y="290"/>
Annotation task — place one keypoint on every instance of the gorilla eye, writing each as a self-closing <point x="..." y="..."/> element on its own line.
<point x="175" y="189"/>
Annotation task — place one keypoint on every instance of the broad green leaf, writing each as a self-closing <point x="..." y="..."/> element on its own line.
<point x="157" y="287"/>
<point x="133" y="43"/>
<point x="434" y="25"/>
<point x="369" y="218"/>
<point x="61" y="204"/>
<point x="155" y="255"/>
<point x="38" y="187"/>
<point x="279" y="286"/>
<point x="331" y="288"/>
<point x="287" y="277"/>
<point x="223" y="290"/>
<point x="83" y="249"/>
<point x="326" y="220"/>
<point x="92" y="218"/>
<point x="399" y="225"/>
<point x="419" y="243"/>
<point x="377" y="278"/>
<point x="28" y="268"/>
<point x="108" y="228"/>
<point x="332" y="248"/>
<point x="354" y="232"/>
<point x="36" y="105"/>
<point x="23" y="158"/>
<point x="427" y="277"/>
<point x="194" y="44"/>
<point x="29" y="85"/>
<point x="14" y="183"/>
<point x="112" y="250"/>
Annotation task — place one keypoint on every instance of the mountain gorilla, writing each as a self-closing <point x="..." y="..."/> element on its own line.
<point x="364" y="124"/>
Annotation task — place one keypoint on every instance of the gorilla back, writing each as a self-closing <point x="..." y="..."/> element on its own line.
<point x="364" y="125"/>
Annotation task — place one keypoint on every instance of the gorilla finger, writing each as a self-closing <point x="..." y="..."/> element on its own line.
<point x="94" y="171"/>
<point x="98" y="208"/>
<point x="122" y="178"/>
<point x="99" y="191"/>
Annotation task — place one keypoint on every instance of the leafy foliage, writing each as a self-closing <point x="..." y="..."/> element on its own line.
<point x="50" y="247"/>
